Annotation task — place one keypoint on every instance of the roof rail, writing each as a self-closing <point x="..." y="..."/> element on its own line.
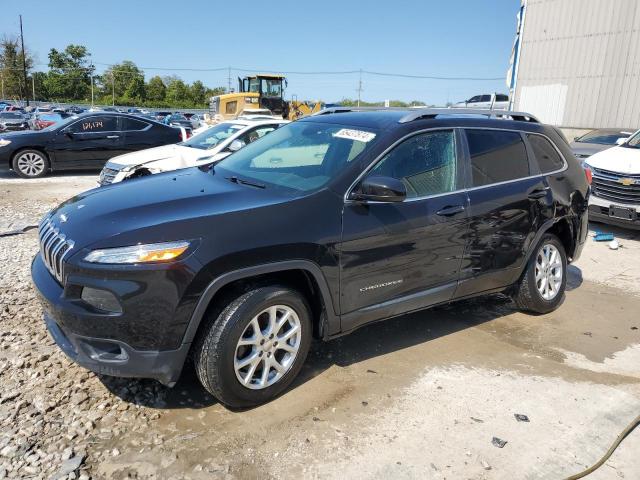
<point x="326" y="111"/>
<point x="434" y="112"/>
<point x="422" y="113"/>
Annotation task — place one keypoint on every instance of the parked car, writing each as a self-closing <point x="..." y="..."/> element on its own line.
<point x="615" y="194"/>
<point x="11" y="121"/>
<point x="211" y="146"/>
<point x="597" y="140"/>
<point x="325" y="225"/>
<point x="160" y="115"/>
<point x="494" y="101"/>
<point x="83" y="142"/>
<point x="41" y="121"/>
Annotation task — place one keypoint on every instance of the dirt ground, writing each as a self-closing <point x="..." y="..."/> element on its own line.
<point x="420" y="396"/>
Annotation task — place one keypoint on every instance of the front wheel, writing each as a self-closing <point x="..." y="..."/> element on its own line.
<point x="252" y="350"/>
<point x="30" y="164"/>
<point x="542" y="285"/>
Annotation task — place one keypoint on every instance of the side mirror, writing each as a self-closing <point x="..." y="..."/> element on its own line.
<point x="67" y="132"/>
<point x="380" y="189"/>
<point x="235" y="145"/>
<point x="621" y="141"/>
<point x="575" y="139"/>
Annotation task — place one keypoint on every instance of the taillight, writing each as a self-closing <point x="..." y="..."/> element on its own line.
<point x="589" y="174"/>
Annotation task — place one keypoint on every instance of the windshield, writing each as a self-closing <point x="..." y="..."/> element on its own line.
<point x="603" y="137"/>
<point x="10" y="115"/>
<point x="633" y="142"/>
<point x="301" y="156"/>
<point x="177" y="118"/>
<point x="213" y="136"/>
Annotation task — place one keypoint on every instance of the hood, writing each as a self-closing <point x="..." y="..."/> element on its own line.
<point x="181" y="154"/>
<point x="583" y="149"/>
<point x="164" y="207"/>
<point x="22" y="135"/>
<point x="622" y="160"/>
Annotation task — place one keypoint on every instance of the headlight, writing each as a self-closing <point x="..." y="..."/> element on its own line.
<point x="4" y="142"/>
<point x="153" y="252"/>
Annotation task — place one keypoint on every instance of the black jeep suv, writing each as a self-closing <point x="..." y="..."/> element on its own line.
<point x="332" y="222"/>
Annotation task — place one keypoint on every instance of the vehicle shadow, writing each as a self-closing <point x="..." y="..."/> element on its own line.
<point x="6" y="174"/>
<point x="367" y="342"/>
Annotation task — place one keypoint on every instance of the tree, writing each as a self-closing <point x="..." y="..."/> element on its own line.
<point x="70" y="72"/>
<point x="156" y="90"/>
<point x="214" y="92"/>
<point x="11" y="68"/>
<point x="177" y="92"/>
<point x="39" y="85"/>
<point x="197" y="93"/>
<point x="123" y="80"/>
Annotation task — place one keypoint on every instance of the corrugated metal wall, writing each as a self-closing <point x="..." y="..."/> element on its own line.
<point x="580" y="63"/>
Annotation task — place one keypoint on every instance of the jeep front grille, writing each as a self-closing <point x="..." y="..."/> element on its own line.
<point x="624" y="188"/>
<point x="54" y="247"/>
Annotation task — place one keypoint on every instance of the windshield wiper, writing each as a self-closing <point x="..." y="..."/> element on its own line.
<point x="235" y="179"/>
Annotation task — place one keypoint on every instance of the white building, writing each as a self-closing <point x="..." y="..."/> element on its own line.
<point x="576" y="63"/>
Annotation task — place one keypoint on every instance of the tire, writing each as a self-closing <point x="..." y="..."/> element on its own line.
<point x="218" y="356"/>
<point x="30" y="163"/>
<point x="530" y="293"/>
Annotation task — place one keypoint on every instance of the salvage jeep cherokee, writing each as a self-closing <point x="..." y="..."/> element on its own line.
<point x="327" y="224"/>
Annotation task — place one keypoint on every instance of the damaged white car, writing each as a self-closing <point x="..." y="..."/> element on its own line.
<point x="210" y="146"/>
<point x="615" y="188"/>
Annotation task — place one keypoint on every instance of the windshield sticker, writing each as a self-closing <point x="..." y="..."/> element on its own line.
<point x="358" y="135"/>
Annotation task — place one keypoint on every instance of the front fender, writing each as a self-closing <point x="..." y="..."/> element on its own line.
<point x="332" y="319"/>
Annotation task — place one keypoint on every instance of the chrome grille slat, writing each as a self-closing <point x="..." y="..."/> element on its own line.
<point x="608" y="185"/>
<point x="54" y="247"/>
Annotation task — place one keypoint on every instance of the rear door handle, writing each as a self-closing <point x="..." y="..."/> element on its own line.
<point x="113" y="137"/>
<point x="450" y="210"/>
<point x="538" y="193"/>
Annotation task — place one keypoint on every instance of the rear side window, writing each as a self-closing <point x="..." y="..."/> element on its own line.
<point x="496" y="156"/>
<point x="133" y="124"/>
<point x="426" y="164"/>
<point x="546" y="155"/>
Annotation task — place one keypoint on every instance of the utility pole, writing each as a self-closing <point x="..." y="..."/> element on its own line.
<point x="92" y="89"/>
<point x="113" y="89"/>
<point x="359" y="87"/>
<point x="24" y="63"/>
<point x="33" y="86"/>
<point x="2" y="81"/>
<point x="229" y="81"/>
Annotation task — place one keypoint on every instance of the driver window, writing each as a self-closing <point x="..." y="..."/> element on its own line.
<point x="425" y="163"/>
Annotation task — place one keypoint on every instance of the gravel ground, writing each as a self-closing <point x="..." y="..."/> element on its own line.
<point x="416" y="397"/>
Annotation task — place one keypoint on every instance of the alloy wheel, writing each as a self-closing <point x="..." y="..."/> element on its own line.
<point x="31" y="164"/>
<point x="548" y="271"/>
<point x="268" y="347"/>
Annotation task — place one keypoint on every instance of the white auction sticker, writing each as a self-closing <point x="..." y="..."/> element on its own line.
<point x="358" y="135"/>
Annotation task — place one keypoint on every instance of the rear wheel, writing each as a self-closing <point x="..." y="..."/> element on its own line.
<point x="542" y="285"/>
<point x="30" y="164"/>
<point x="252" y="350"/>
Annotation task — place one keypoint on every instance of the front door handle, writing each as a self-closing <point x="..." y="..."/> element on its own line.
<point x="113" y="137"/>
<point x="450" y="210"/>
<point x="538" y="193"/>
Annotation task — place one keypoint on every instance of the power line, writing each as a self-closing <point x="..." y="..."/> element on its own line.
<point x="289" y="72"/>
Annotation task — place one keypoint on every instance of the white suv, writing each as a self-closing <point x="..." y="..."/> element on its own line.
<point x="615" y="191"/>
<point x="494" y="101"/>
<point x="209" y="146"/>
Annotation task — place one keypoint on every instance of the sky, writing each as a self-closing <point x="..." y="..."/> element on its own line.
<point x="444" y="38"/>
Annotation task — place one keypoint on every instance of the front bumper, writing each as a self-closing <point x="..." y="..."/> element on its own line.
<point x="71" y="325"/>
<point x="600" y="211"/>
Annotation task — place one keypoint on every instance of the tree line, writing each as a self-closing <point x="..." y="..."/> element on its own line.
<point x="71" y="76"/>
